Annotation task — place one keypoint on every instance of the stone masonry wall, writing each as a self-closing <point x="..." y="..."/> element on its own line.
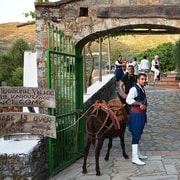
<point x="91" y="19"/>
<point x="104" y="93"/>
<point x="32" y="166"/>
<point x="86" y="20"/>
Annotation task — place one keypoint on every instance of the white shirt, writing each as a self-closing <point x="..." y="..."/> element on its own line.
<point x="144" y="64"/>
<point x="117" y="63"/>
<point x="132" y="94"/>
<point x="136" y="68"/>
<point x="153" y="63"/>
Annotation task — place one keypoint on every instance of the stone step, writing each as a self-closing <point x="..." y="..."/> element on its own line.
<point x="172" y="74"/>
<point x="167" y="84"/>
<point x="170" y="87"/>
<point x="169" y="79"/>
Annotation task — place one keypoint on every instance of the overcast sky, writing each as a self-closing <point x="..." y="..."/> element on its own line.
<point x="12" y="10"/>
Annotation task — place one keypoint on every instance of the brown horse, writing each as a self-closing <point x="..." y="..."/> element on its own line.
<point x="107" y="120"/>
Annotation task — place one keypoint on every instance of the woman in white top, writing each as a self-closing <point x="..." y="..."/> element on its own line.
<point x="155" y="67"/>
<point x="135" y="64"/>
<point x="144" y="66"/>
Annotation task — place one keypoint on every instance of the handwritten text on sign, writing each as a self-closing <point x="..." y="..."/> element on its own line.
<point x="27" y="123"/>
<point x="27" y="96"/>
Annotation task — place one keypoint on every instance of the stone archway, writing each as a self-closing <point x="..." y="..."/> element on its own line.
<point x="83" y="20"/>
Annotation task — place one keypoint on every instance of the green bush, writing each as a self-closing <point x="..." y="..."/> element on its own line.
<point x="12" y="62"/>
<point x="177" y="55"/>
<point x="165" y="52"/>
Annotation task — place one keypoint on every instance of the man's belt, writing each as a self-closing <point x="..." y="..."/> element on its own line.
<point x="136" y="109"/>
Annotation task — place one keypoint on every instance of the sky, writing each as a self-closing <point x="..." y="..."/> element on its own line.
<point x="12" y="10"/>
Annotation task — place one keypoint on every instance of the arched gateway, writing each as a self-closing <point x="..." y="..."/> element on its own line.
<point x="62" y="29"/>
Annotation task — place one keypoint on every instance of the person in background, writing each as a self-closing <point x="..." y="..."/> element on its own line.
<point x="137" y="99"/>
<point x="155" y="67"/>
<point x="144" y="66"/>
<point x="135" y="64"/>
<point x="128" y="80"/>
<point x="126" y="64"/>
<point x="118" y="68"/>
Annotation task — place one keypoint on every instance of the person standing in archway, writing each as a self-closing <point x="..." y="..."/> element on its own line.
<point x="155" y="67"/>
<point x="144" y="67"/>
<point x="119" y="68"/>
<point x="135" y="64"/>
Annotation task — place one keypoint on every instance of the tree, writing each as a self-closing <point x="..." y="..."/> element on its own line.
<point x="177" y="55"/>
<point x="5" y="67"/>
<point x="12" y="62"/>
<point x="17" y="77"/>
<point x="92" y="63"/>
<point x="16" y="52"/>
<point x="165" y="51"/>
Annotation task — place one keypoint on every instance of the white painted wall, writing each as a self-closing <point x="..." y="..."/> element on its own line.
<point x="30" y="69"/>
<point x="30" y="72"/>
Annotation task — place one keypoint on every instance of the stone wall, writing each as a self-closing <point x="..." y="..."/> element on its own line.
<point x="84" y="21"/>
<point x="32" y="166"/>
<point x="104" y="93"/>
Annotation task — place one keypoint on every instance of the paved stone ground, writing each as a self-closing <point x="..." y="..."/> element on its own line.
<point x="160" y="141"/>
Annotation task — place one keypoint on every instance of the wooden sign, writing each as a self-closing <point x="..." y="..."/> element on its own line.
<point x="27" y="97"/>
<point x="17" y="122"/>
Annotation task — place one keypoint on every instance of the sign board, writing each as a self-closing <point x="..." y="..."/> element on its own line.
<point x="27" y="97"/>
<point x="17" y="122"/>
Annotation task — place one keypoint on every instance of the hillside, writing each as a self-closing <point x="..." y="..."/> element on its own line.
<point x="9" y="33"/>
<point x="131" y="45"/>
<point x="127" y="45"/>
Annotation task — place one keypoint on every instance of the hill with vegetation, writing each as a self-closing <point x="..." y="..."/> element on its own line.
<point x="9" y="33"/>
<point x="127" y="45"/>
<point x="131" y="45"/>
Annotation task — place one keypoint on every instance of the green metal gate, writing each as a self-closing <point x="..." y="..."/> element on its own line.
<point x="65" y="75"/>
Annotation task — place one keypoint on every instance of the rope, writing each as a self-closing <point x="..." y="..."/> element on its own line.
<point x="77" y="119"/>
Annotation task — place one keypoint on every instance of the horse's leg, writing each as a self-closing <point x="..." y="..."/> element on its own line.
<point x="109" y="148"/>
<point x="123" y="129"/>
<point x="86" y="152"/>
<point x="97" y="154"/>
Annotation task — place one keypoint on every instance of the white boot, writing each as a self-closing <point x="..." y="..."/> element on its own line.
<point x="135" y="158"/>
<point x="141" y="156"/>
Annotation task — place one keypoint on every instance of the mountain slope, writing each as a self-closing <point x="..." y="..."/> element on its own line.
<point x="9" y="32"/>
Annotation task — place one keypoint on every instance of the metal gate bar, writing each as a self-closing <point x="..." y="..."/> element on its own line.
<point x="64" y="66"/>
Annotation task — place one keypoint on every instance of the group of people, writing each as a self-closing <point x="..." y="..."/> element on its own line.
<point x="121" y="68"/>
<point x="132" y="84"/>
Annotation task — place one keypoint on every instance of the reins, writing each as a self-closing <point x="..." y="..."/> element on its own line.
<point x="107" y="108"/>
<point x="104" y="106"/>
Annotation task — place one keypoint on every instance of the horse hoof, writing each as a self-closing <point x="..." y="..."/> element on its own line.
<point x="98" y="174"/>
<point x="106" y="159"/>
<point x="84" y="171"/>
<point x="126" y="156"/>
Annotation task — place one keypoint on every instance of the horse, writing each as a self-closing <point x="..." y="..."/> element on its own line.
<point x="107" y="120"/>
